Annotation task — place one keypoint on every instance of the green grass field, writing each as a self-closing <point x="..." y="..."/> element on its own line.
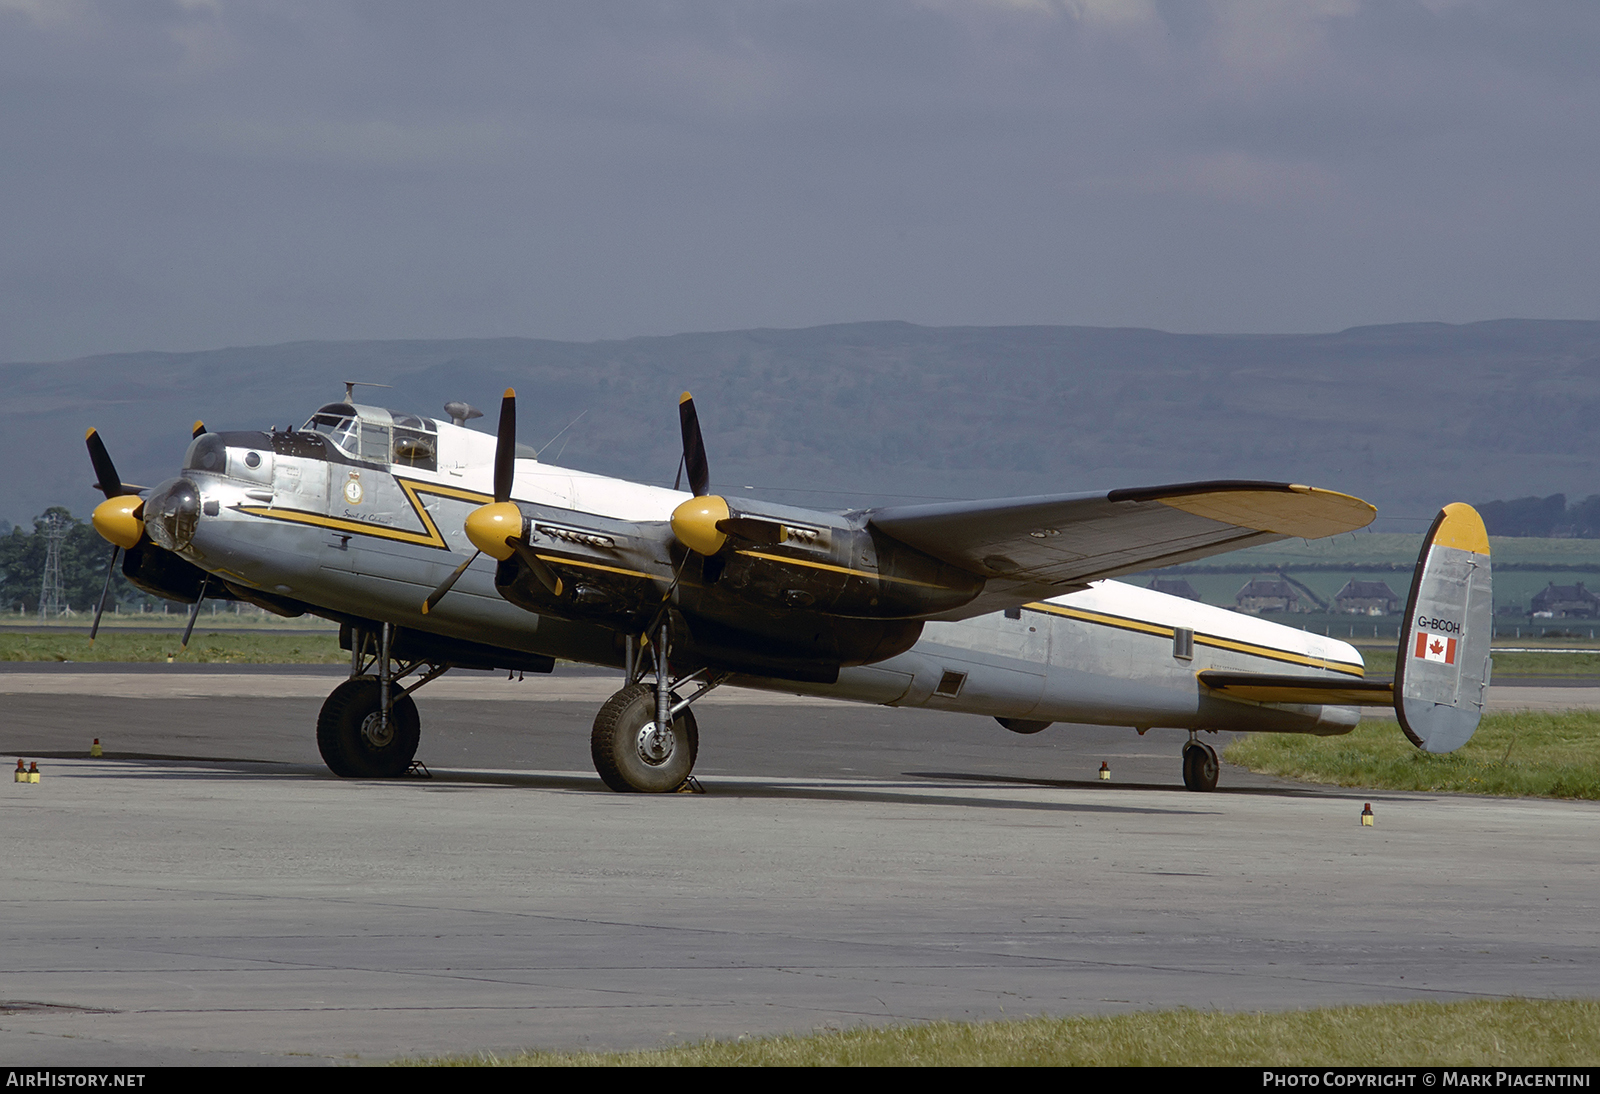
<point x="252" y="620"/>
<point x="1516" y="1032"/>
<point x="236" y="647"/>
<point x="1520" y="754"/>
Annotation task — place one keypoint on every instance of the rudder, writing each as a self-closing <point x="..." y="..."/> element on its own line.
<point x="1441" y="677"/>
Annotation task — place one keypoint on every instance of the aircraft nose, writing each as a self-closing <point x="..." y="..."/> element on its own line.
<point x="171" y="513"/>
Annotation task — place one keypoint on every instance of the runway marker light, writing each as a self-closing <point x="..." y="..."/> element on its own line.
<point x="22" y="772"/>
<point x="95" y="750"/>
<point x="1105" y="770"/>
<point x="1366" y="816"/>
<point x="33" y="771"/>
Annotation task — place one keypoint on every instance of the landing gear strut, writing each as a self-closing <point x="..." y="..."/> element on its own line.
<point x="369" y="727"/>
<point x="1199" y="766"/>
<point x="645" y="738"/>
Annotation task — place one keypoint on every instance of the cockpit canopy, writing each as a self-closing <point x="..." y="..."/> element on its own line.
<point x="373" y="435"/>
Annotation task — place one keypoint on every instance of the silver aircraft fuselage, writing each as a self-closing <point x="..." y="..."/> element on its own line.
<point x="363" y="521"/>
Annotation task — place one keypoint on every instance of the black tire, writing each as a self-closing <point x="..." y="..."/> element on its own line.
<point x="615" y="744"/>
<point x="1208" y="768"/>
<point x="346" y="730"/>
<point x="1200" y="767"/>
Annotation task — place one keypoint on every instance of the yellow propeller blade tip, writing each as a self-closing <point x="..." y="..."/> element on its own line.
<point x="684" y="398"/>
<point x="511" y="393"/>
<point x="89" y="434"/>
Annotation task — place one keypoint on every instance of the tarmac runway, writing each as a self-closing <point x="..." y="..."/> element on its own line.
<point x="208" y="893"/>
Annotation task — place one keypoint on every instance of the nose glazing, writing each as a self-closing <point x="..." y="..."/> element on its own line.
<point x="171" y="513"/>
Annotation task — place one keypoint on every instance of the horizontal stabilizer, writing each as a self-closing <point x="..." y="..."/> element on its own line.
<point x="1268" y="688"/>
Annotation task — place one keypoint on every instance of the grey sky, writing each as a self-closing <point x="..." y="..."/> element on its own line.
<point x="181" y="175"/>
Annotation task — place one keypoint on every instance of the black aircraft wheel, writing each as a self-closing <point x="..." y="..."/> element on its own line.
<point x="630" y="754"/>
<point x="1199" y="766"/>
<point x="352" y="738"/>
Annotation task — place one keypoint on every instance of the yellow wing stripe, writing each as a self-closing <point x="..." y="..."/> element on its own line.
<point x="1139" y="626"/>
<point x="840" y="569"/>
<point x="564" y="561"/>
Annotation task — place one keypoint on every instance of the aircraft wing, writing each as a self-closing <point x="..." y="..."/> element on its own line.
<point x="1072" y="539"/>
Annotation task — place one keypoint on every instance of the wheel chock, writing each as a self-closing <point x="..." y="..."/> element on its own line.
<point x="691" y="785"/>
<point x="22" y="772"/>
<point x="95" y="751"/>
<point x="33" y="771"/>
<point x="1366" y="816"/>
<point x="1105" y="770"/>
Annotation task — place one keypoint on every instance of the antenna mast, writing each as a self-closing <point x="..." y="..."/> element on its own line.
<point x="351" y="385"/>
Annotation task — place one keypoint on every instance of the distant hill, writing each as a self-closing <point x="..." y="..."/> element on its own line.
<point x="1408" y="416"/>
<point x="1545" y="517"/>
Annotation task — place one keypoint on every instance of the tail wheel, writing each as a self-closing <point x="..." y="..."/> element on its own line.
<point x="631" y="755"/>
<point x="352" y="737"/>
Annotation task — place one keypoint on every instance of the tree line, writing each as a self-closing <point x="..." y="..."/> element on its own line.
<point x="84" y="556"/>
<point x="1547" y="518"/>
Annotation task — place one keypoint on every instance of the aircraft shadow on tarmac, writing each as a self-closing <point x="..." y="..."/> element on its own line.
<point x="1285" y="791"/>
<point x="880" y="791"/>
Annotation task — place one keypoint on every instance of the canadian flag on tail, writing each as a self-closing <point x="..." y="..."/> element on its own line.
<point x="1433" y="647"/>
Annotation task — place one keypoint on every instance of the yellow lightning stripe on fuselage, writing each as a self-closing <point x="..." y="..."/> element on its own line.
<point x="841" y="569"/>
<point x="1121" y="622"/>
<point x="430" y="536"/>
<point x="1343" y="667"/>
<point x="1139" y="626"/>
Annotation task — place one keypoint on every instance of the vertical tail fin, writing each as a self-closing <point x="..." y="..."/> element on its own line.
<point x="1441" y="676"/>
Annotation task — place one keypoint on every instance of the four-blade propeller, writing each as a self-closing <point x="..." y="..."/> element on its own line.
<point x="119" y="519"/>
<point x="704" y="523"/>
<point x="497" y="529"/>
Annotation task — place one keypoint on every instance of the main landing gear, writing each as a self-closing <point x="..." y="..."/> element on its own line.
<point x="1199" y="765"/>
<point x="645" y="738"/>
<point x="369" y="727"/>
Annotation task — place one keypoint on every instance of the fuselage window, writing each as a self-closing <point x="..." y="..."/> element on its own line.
<point x="374" y="443"/>
<point x="206" y="453"/>
<point x="340" y="430"/>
